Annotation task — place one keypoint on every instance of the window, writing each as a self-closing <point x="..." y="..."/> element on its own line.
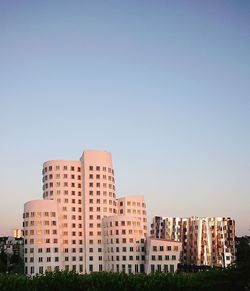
<point x="165" y="268"/>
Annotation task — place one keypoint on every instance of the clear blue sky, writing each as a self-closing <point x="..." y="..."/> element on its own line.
<point x="163" y="85"/>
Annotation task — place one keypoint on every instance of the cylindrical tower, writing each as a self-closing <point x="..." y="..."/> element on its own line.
<point x="99" y="201"/>
<point x="41" y="237"/>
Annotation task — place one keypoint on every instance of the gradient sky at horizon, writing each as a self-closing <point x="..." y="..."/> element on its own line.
<point x="163" y="85"/>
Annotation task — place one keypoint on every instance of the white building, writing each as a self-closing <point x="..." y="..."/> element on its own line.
<point x="162" y="255"/>
<point x="70" y="229"/>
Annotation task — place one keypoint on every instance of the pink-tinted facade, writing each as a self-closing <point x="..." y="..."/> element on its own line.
<point x="80" y="196"/>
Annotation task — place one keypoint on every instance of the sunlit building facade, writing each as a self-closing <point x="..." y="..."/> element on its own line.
<point x="75" y="224"/>
<point x="162" y="255"/>
<point x="206" y="241"/>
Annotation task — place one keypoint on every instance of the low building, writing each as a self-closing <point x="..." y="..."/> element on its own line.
<point x="162" y="255"/>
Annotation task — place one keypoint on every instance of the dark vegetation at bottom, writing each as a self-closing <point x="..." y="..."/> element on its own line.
<point x="236" y="278"/>
<point x="212" y="280"/>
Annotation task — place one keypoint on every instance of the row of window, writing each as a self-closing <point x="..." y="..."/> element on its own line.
<point x="98" y="185"/>
<point x="40" y="250"/>
<point x="64" y="176"/>
<point x="98" y="168"/>
<point x="41" y="269"/>
<point x="103" y="209"/>
<point x="73" y="217"/>
<point x="41" y="241"/>
<point x="73" y="233"/>
<point x="126" y="258"/>
<point x="123" y="223"/>
<point x="39" y="223"/>
<point x="123" y="240"/>
<point x="124" y="232"/>
<point x="39" y="214"/>
<point x="73" y="225"/>
<point x="125" y="249"/>
<point x="64" y="184"/>
<point x="73" y="201"/>
<point x="73" y="242"/>
<point x="134" y="211"/>
<point x="73" y="209"/>
<point x="59" y="192"/>
<point x="104" y="201"/>
<point x="98" y="177"/>
<point x="167" y="248"/>
<point x="104" y="193"/>
<point x="41" y="259"/>
<point x="162" y="268"/>
<point x="64" y="168"/>
<point x="160" y="258"/>
<point x="212" y="228"/>
<point x="133" y="203"/>
<point x="129" y="268"/>
<point x="40" y="232"/>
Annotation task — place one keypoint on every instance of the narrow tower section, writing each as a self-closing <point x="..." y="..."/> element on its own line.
<point x="99" y="201"/>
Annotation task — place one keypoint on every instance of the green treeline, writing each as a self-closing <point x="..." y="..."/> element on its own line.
<point x="213" y="280"/>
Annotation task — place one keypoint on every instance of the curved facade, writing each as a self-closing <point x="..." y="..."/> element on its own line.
<point x="62" y="182"/>
<point x="99" y="201"/>
<point x="41" y="237"/>
<point x="82" y="193"/>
